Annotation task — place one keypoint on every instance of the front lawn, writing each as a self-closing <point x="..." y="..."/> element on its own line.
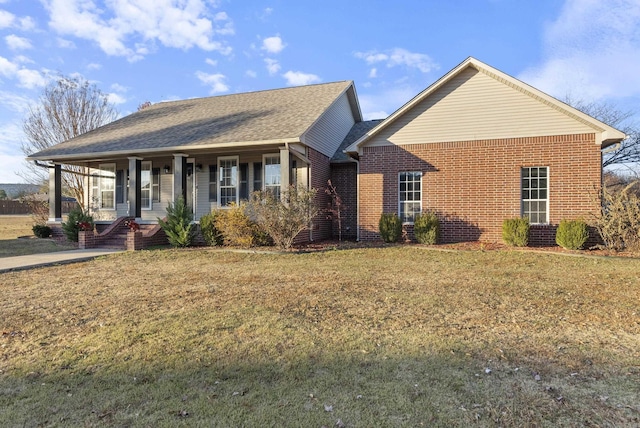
<point x="17" y="239"/>
<point x="396" y="336"/>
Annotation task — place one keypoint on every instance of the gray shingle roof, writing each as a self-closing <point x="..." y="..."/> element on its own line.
<point x="357" y="131"/>
<point x="279" y="114"/>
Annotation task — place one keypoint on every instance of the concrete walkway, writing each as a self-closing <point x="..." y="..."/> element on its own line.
<point x="47" y="259"/>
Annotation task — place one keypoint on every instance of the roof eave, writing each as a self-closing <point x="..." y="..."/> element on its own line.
<point x="117" y="153"/>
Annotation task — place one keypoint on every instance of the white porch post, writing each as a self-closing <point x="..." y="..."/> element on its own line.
<point x="285" y="170"/>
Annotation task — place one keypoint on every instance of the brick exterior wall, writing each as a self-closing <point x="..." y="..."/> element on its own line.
<point x="320" y="174"/>
<point x="474" y="185"/>
<point x="344" y="177"/>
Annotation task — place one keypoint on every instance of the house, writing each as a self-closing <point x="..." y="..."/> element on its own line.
<point x="476" y="147"/>
<point x="212" y="151"/>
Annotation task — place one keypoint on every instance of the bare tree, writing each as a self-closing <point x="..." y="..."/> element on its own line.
<point x="628" y="152"/>
<point x="68" y="107"/>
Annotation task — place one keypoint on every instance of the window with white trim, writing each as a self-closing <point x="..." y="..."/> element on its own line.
<point x="409" y="195"/>
<point x="107" y="182"/>
<point x="145" y="185"/>
<point x="228" y="180"/>
<point x="272" y="173"/>
<point x="535" y="194"/>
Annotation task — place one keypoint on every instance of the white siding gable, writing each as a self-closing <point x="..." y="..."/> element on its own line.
<point x="477" y="106"/>
<point x="328" y="132"/>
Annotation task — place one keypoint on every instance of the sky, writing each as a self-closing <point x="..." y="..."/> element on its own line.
<point x="160" y="50"/>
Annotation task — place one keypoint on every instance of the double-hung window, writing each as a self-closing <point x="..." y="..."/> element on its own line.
<point x="228" y="180"/>
<point x="535" y="194"/>
<point x="272" y="174"/>
<point x="107" y="184"/>
<point x="409" y="195"/>
<point x="145" y="186"/>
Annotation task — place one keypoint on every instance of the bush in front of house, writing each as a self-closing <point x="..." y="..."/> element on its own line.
<point x="426" y="228"/>
<point x="212" y="236"/>
<point x="618" y="220"/>
<point x="572" y="234"/>
<point x="390" y="227"/>
<point x="515" y="231"/>
<point x="283" y="216"/>
<point x="76" y="221"/>
<point x="178" y="225"/>
<point x="41" y="230"/>
<point x="236" y="227"/>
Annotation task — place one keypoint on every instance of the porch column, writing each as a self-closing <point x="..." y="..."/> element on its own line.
<point x="179" y="177"/>
<point x="285" y="170"/>
<point x="55" y="193"/>
<point x="135" y="178"/>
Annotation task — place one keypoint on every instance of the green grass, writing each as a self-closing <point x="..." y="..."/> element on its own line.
<point x="17" y="239"/>
<point x="397" y="336"/>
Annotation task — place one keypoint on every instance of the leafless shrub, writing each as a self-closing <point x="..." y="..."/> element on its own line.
<point x="618" y="220"/>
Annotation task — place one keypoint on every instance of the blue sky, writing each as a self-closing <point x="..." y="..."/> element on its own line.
<point x="158" y="50"/>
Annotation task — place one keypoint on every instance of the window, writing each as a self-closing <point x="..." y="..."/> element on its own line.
<point x="213" y="183"/>
<point x="155" y="184"/>
<point x="535" y="194"/>
<point x="145" y="186"/>
<point x="228" y="180"/>
<point x="257" y="176"/>
<point x="108" y="186"/>
<point x="272" y="174"/>
<point x="409" y="195"/>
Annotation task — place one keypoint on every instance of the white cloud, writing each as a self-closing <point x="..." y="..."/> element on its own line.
<point x="27" y="78"/>
<point x="592" y="51"/>
<point x="273" y="66"/>
<point x="94" y="66"/>
<point x="273" y="44"/>
<point x="251" y="73"/>
<point x="386" y="100"/>
<point x="399" y="57"/>
<point x="64" y="43"/>
<point x="30" y="78"/>
<point x="211" y="62"/>
<point x="216" y="81"/>
<point x="119" y="88"/>
<point x="17" y="43"/>
<point x="26" y="23"/>
<point x="298" y="78"/>
<point x="15" y="103"/>
<point x="6" y="19"/>
<point x="178" y="24"/>
<point x="116" y="99"/>
<point x="11" y="166"/>
<point x="373" y="73"/>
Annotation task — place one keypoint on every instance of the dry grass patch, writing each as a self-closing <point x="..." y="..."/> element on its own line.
<point x="17" y="239"/>
<point x="395" y="336"/>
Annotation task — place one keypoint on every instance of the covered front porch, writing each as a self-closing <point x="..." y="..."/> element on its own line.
<point x="141" y="187"/>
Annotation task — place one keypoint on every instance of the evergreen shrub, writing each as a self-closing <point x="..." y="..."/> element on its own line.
<point x="178" y="226"/>
<point x="515" y="231"/>
<point x="77" y="219"/>
<point x="390" y="227"/>
<point x="426" y="228"/>
<point x="572" y="234"/>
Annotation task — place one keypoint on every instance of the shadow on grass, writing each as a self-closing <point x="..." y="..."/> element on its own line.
<point x="356" y="390"/>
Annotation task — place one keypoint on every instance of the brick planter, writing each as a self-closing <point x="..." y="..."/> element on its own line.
<point x="134" y="240"/>
<point x="86" y="239"/>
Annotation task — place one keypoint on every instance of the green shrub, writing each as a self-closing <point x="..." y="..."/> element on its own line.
<point x="390" y="227"/>
<point x="283" y="216"/>
<point x="75" y="220"/>
<point x="41" y="231"/>
<point x="572" y="234"/>
<point x="426" y="228"/>
<point x="236" y="227"/>
<point x="515" y="231"/>
<point x="209" y="229"/>
<point x="178" y="226"/>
